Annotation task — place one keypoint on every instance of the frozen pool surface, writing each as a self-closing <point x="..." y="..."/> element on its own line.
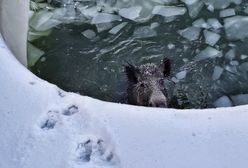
<point x="208" y="49"/>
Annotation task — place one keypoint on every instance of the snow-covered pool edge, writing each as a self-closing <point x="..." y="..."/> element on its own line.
<point x="43" y="126"/>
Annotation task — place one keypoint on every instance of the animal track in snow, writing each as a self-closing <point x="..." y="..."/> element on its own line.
<point x="50" y="121"/>
<point x="94" y="150"/>
<point x="71" y="110"/>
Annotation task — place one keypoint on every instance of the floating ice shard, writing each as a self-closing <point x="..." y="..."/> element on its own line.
<point x="200" y="23"/>
<point x="208" y="52"/>
<point x="214" y="23"/>
<point x="190" y="33"/>
<point x="221" y="4"/>
<point x="244" y="67"/>
<point x="90" y="34"/>
<point x="181" y="75"/>
<point x="241" y="99"/>
<point x="103" y="26"/>
<point x="230" y="55"/>
<point x="34" y="54"/>
<point x="243" y="56"/>
<point x="232" y="69"/>
<point x="194" y="7"/>
<point x="211" y="38"/>
<point x="217" y="72"/>
<point x="130" y="13"/>
<point x="236" y="27"/>
<point x="105" y="18"/>
<point x="234" y="63"/>
<point x="171" y="46"/>
<point x="42" y="21"/>
<point x="227" y="12"/>
<point x="223" y="101"/>
<point x="168" y="11"/>
<point x="144" y="32"/>
<point x="117" y="28"/>
<point x="154" y="25"/>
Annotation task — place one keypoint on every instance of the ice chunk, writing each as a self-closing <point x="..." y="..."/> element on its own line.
<point x="208" y="52"/>
<point x="234" y="63"/>
<point x="103" y="26"/>
<point x="211" y="38"/>
<point x="194" y="7"/>
<point x="42" y="21"/>
<point x="154" y="25"/>
<point x="130" y="13"/>
<point x="230" y="55"/>
<point x="223" y="101"/>
<point x="227" y="12"/>
<point x="214" y="23"/>
<point x="117" y="28"/>
<point x="200" y="23"/>
<point x="190" y="33"/>
<point x="241" y="99"/>
<point x="181" y="75"/>
<point x="168" y="11"/>
<point x="171" y="46"/>
<point x="105" y="18"/>
<point x="244" y="67"/>
<point x="89" y="34"/>
<point x="236" y="27"/>
<point x="221" y="4"/>
<point x="243" y="56"/>
<point x="217" y="72"/>
<point x="34" y="54"/>
<point x="232" y="69"/>
<point x="143" y="32"/>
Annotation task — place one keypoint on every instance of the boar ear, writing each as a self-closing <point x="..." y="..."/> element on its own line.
<point x="165" y="66"/>
<point x="131" y="72"/>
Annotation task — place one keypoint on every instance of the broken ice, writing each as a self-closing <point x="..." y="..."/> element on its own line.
<point x="200" y="23"/>
<point x="214" y="23"/>
<point x="230" y="55"/>
<point x="144" y="32"/>
<point x="105" y="18"/>
<point x="236" y="27"/>
<point x="241" y="99"/>
<point x="208" y="52"/>
<point x="89" y="34"/>
<point x="117" y="28"/>
<point x="223" y="101"/>
<point x="181" y="75"/>
<point x="130" y="13"/>
<point x="211" y="38"/>
<point x="217" y="72"/>
<point x="168" y="11"/>
<point x="227" y="12"/>
<point x="190" y="33"/>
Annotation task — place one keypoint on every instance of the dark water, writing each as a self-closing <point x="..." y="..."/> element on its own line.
<point x="95" y="67"/>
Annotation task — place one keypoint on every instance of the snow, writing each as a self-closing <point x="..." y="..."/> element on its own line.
<point x="208" y="52"/>
<point x="181" y="75"/>
<point x="130" y="13"/>
<point x="236" y="27"/>
<point x="217" y="72"/>
<point x="227" y="12"/>
<point x="44" y="126"/>
<point x="211" y="38"/>
<point x="168" y="11"/>
<point x="223" y="101"/>
<point x="190" y="33"/>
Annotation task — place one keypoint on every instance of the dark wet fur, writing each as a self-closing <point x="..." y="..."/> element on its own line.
<point x="146" y="84"/>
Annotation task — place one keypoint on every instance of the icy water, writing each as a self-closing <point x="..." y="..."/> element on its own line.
<point x="93" y="66"/>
